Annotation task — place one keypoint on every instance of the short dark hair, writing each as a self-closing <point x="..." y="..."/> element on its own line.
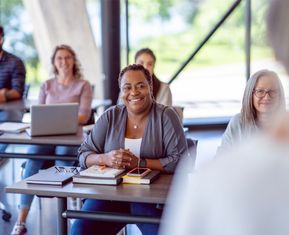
<point x="135" y="67"/>
<point x="1" y="31"/>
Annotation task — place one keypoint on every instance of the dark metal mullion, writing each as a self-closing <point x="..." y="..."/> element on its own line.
<point x="127" y="30"/>
<point x="248" y="38"/>
<point x="227" y="14"/>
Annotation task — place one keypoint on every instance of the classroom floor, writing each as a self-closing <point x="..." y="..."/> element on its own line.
<point x="41" y="219"/>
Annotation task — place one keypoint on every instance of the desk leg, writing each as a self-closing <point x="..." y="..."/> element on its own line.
<point x="61" y="222"/>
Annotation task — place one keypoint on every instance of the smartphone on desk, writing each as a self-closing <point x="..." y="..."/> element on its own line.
<point x="139" y="172"/>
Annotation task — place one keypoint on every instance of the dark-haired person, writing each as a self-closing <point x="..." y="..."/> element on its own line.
<point x="66" y="86"/>
<point x="138" y="130"/>
<point x="12" y="81"/>
<point x="12" y="75"/>
<point x="161" y="90"/>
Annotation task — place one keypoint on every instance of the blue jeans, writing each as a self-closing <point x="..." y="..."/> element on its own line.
<point x="32" y="166"/>
<point x="86" y="227"/>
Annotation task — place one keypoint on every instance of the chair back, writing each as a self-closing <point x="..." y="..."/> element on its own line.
<point x="91" y="119"/>
<point x="26" y="91"/>
<point x="192" y="146"/>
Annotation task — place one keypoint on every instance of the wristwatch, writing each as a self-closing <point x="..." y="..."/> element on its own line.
<point x="142" y="163"/>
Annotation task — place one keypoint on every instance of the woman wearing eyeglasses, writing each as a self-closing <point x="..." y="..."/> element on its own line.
<point x="263" y="98"/>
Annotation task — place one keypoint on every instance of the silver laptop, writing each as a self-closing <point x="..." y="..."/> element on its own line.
<point x="53" y="119"/>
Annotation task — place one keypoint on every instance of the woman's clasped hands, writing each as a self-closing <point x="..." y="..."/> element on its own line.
<point x="122" y="158"/>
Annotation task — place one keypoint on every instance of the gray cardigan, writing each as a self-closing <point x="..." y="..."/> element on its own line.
<point x="163" y="137"/>
<point x="235" y="134"/>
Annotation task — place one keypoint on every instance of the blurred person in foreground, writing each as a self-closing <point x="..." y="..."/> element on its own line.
<point x="139" y="132"/>
<point x="263" y="98"/>
<point x="244" y="191"/>
<point x="66" y="86"/>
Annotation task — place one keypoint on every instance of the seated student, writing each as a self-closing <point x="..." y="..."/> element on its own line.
<point x="66" y="86"/>
<point x="155" y="135"/>
<point x="161" y="90"/>
<point x="263" y="97"/>
<point x="12" y="81"/>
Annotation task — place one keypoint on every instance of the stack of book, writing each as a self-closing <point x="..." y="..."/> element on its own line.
<point x="99" y="175"/>
<point x="147" y="179"/>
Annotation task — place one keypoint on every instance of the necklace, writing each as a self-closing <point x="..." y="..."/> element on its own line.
<point x="135" y="126"/>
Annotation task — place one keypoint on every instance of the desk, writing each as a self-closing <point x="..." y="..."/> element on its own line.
<point x="154" y="193"/>
<point x="24" y="138"/>
<point x="25" y="104"/>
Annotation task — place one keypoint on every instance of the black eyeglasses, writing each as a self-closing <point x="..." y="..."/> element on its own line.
<point x="62" y="169"/>
<point x="260" y="93"/>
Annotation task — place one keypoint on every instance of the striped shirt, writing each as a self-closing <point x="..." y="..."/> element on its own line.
<point x="12" y="72"/>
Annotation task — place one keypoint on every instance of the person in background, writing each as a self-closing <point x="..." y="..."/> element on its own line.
<point x="66" y="86"/>
<point x="139" y="132"/>
<point x="12" y="79"/>
<point x="161" y="90"/>
<point x="263" y="98"/>
<point x="12" y="82"/>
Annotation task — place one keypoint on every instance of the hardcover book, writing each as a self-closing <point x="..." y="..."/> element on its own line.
<point x="147" y="179"/>
<point x="53" y="176"/>
<point x="101" y="171"/>
<point x="79" y="179"/>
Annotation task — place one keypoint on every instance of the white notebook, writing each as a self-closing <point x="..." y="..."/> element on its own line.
<point x="101" y="171"/>
<point x="13" y="127"/>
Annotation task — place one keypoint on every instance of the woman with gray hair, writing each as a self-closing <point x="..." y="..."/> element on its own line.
<point x="263" y="98"/>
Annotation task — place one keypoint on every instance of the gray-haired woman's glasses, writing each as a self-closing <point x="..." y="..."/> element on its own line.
<point x="260" y="93"/>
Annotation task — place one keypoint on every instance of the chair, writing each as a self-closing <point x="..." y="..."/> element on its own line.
<point x="26" y="91"/>
<point x="192" y="146"/>
<point x="5" y="214"/>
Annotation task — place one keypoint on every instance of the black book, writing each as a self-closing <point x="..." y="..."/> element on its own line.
<point x="53" y="176"/>
<point x="79" y="179"/>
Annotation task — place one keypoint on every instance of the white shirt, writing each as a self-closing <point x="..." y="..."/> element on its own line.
<point x="133" y="145"/>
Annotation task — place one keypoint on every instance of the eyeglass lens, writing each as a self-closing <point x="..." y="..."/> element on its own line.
<point x="262" y="93"/>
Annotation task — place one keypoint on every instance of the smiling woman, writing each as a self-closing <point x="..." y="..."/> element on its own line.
<point x="136" y="95"/>
<point x="139" y="132"/>
<point x="263" y="98"/>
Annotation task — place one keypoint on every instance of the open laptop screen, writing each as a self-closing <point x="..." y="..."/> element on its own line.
<point x="54" y="119"/>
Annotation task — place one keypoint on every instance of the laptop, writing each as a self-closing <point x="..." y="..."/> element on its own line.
<point x="53" y="119"/>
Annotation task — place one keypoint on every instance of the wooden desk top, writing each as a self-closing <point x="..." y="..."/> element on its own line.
<point x="155" y="193"/>
<point x="24" y="138"/>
